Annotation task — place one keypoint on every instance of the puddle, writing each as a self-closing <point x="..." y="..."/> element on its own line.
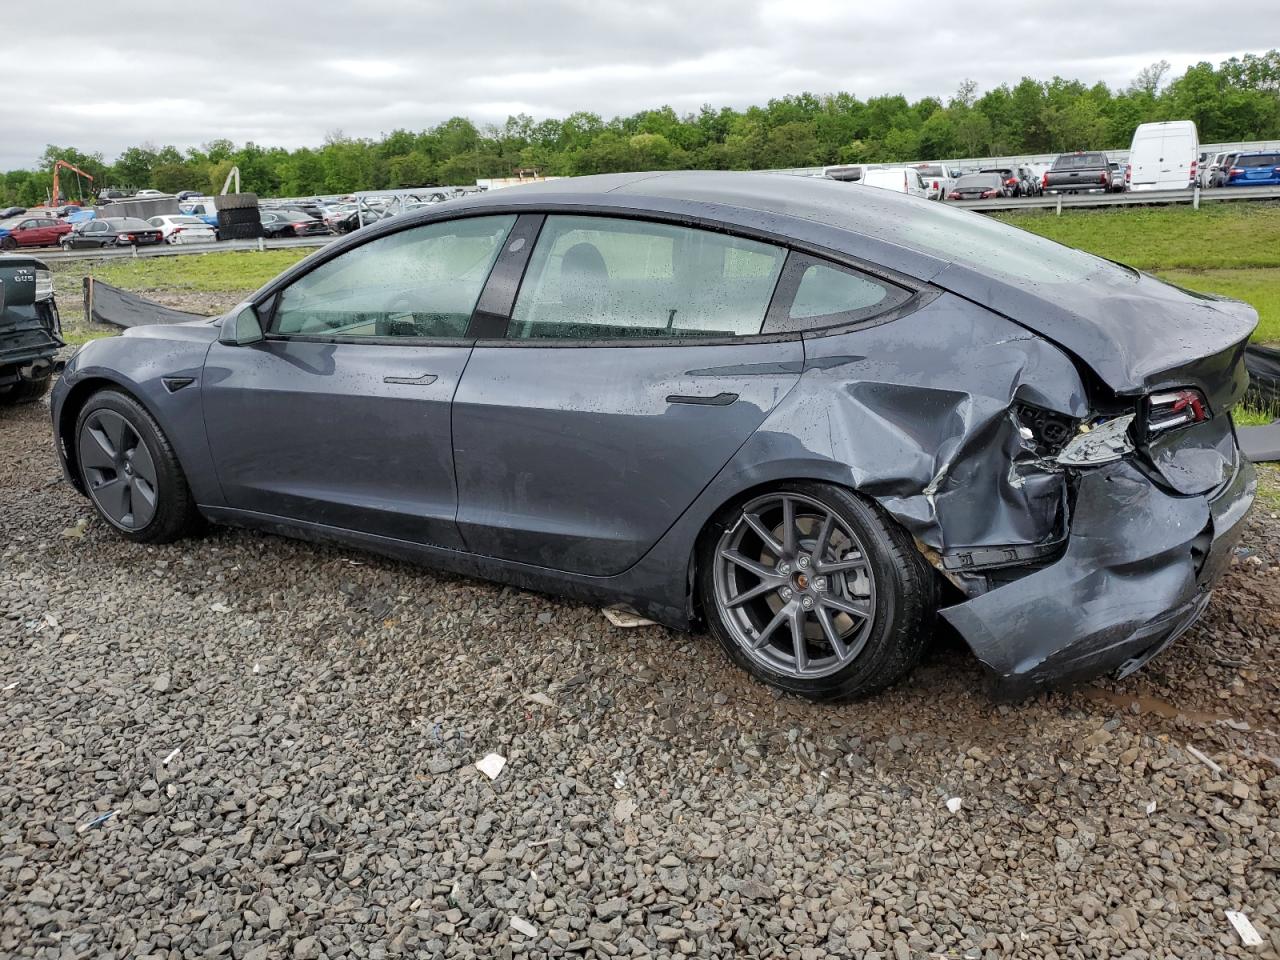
<point x="1149" y="704"/>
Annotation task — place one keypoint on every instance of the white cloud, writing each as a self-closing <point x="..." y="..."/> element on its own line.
<point x="287" y="71"/>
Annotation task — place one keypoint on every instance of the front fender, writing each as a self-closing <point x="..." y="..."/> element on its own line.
<point x="140" y="365"/>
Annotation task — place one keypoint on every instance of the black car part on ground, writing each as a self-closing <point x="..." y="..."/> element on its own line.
<point x="1263" y="364"/>
<point x="30" y="328"/>
<point x="104" y="303"/>
<point x="238" y="216"/>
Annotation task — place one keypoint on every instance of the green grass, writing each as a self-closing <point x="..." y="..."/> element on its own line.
<point x="1218" y="236"/>
<point x="1269" y="487"/>
<point x="79" y="335"/>
<point x="203" y="272"/>
<point x="1232" y="249"/>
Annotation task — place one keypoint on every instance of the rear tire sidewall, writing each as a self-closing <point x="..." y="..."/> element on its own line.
<point x="903" y="621"/>
<point x="174" y="509"/>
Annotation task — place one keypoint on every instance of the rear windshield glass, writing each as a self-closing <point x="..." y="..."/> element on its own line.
<point x="1261" y="160"/>
<point x="1078" y="161"/>
<point x="131" y="223"/>
<point x="984" y="180"/>
<point x="931" y="170"/>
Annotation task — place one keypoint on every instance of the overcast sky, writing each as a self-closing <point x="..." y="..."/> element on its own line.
<point x="286" y="72"/>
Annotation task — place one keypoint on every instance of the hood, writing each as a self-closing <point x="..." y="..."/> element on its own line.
<point x="1137" y="333"/>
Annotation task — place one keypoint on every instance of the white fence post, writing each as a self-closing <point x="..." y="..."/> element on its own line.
<point x="1059" y="204"/>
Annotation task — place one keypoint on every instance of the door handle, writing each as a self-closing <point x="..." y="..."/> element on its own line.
<point x="719" y="400"/>
<point x="425" y="380"/>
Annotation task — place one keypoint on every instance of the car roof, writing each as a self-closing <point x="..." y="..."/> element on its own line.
<point x="826" y="214"/>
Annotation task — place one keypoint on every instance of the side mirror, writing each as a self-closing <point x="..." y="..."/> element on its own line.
<point x="241" y="328"/>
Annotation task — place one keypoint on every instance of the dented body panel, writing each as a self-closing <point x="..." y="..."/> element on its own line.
<point x="593" y="470"/>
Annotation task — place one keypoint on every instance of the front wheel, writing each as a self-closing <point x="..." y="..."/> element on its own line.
<point x="130" y="471"/>
<point x="8" y="243"/>
<point x="813" y="590"/>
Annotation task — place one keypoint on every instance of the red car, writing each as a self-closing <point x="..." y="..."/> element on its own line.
<point x="29" y="231"/>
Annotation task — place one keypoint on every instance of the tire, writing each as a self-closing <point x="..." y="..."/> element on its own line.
<point x="8" y="243"/>
<point x="235" y="201"/>
<point x="169" y="512"/>
<point x="868" y="564"/>
<point x="25" y="391"/>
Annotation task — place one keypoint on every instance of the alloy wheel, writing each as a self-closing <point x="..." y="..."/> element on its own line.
<point x="119" y="469"/>
<point x="794" y="586"/>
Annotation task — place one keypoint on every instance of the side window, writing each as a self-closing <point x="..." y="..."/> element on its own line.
<point x="421" y="282"/>
<point x="814" y="294"/>
<point x="597" y="278"/>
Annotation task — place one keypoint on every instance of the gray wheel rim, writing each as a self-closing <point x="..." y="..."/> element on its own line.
<point x="794" y="586"/>
<point x="119" y="470"/>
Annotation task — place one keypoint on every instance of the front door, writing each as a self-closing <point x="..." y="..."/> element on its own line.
<point x="341" y="416"/>
<point x="621" y="387"/>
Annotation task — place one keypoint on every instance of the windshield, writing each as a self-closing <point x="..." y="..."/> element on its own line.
<point x="1260" y="160"/>
<point x="1077" y="161"/>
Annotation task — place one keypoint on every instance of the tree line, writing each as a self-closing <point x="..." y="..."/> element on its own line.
<point x="1237" y="100"/>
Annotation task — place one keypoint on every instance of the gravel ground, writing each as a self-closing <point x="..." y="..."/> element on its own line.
<point x="285" y="738"/>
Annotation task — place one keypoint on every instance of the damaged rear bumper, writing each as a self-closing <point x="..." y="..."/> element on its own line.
<point x="1136" y="573"/>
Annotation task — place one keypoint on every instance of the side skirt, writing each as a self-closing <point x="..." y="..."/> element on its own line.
<point x="595" y="590"/>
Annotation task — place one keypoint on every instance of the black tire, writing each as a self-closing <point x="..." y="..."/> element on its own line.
<point x="25" y="391"/>
<point x="174" y="513"/>
<point x="904" y="601"/>
<point x="235" y="201"/>
<point x="8" y="243"/>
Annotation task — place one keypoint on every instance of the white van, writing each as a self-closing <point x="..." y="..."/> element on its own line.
<point x="898" y="179"/>
<point x="1164" y="156"/>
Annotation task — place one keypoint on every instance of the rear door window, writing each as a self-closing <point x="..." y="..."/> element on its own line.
<point x="599" y="278"/>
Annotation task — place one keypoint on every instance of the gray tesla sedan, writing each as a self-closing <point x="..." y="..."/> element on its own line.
<point x="812" y="416"/>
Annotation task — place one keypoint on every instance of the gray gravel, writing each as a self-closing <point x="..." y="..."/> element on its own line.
<point x="321" y="712"/>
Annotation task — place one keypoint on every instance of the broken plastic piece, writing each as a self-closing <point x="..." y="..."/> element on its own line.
<point x="1248" y="935"/>
<point x="524" y="926"/>
<point x="621" y="617"/>
<point x="491" y="765"/>
<point x="97" y="821"/>
<point x="1103" y="444"/>
<point x="169" y="759"/>
<point x="1151" y="807"/>
<point x="10" y="686"/>
<point x="954" y="804"/>
<point x="540" y="698"/>
<point x="1203" y="759"/>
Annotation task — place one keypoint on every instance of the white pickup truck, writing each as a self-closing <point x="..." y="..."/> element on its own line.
<point x="938" y="179"/>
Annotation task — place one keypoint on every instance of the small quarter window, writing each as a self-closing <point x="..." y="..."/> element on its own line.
<point x="815" y="293"/>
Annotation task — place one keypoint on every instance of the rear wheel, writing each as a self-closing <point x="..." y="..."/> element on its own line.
<point x="130" y="471"/>
<point x="813" y="590"/>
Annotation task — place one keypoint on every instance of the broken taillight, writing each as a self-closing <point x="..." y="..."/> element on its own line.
<point x="1175" y="408"/>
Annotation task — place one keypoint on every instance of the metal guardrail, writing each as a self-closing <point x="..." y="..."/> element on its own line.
<point x="175" y="249"/>
<point x="1138" y="198"/>
<point x="1057" y="202"/>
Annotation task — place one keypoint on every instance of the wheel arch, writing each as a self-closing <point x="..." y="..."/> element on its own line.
<point x="77" y="396"/>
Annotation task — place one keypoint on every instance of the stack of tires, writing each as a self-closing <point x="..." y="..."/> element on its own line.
<point x="238" y="217"/>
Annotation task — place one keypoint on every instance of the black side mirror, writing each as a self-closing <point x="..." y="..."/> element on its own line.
<point x="241" y="328"/>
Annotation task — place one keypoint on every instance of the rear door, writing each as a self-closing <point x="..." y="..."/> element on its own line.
<point x="340" y="417"/>
<point x="630" y="371"/>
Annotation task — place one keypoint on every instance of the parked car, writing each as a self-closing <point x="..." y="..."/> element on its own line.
<point x="1209" y="169"/>
<point x="8" y="212"/>
<point x="183" y="228"/>
<point x="978" y="186"/>
<point x="805" y="447"/>
<point x="938" y="179"/>
<point x="30" y="329"/>
<point x="290" y="223"/>
<point x="149" y="194"/>
<point x="898" y="179"/>
<point x="187" y="194"/>
<point x="111" y="195"/>
<point x="202" y="207"/>
<point x="1220" y="175"/>
<point x="112" y="232"/>
<point x="1164" y="156"/>
<point x="1261" y="168"/>
<point x="1016" y="181"/>
<point x="1117" y="177"/>
<point x="1079" y="172"/>
<point x="31" y="231"/>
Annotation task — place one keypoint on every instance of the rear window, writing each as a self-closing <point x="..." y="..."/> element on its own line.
<point x="1079" y="161"/>
<point x="984" y="180"/>
<point x="931" y="170"/>
<point x="132" y="223"/>
<point x="1260" y="160"/>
